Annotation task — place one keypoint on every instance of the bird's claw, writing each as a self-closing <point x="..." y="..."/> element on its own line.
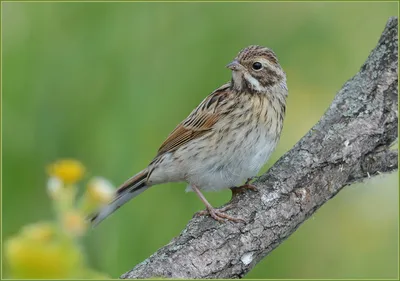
<point x="219" y="215"/>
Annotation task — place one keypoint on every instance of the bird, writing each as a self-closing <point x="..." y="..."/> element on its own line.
<point x="224" y="141"/>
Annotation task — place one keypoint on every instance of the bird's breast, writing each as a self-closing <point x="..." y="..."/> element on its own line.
<point x="234" y="150"/>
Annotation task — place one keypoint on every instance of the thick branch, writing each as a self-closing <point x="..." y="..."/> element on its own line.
<point x="350" y="143"/>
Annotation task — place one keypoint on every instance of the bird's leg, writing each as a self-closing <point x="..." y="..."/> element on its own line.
<point x="247" y="185"/>
<point x="217" y="214"/>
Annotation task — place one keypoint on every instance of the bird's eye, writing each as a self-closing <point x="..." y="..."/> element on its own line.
<point x="257" y="65"/>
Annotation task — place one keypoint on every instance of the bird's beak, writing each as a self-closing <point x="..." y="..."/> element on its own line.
<point x="234" y="65"/>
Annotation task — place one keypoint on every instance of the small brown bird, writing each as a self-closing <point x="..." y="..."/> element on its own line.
<point x="225" y="140"/>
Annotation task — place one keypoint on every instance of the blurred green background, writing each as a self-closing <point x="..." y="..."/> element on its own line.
<point x="106" y="82"/>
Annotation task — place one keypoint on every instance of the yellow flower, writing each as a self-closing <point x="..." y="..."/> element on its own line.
<point x="74" y="223"/>
<point x="41" y="232"/>
<point x="69" y="171"/>
<point x="41" y="252"/>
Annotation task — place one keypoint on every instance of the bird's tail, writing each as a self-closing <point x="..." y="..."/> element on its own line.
<point x="128" y="190"/>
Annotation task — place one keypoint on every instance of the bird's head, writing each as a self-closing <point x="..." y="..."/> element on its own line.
<point x="256" y="69"/>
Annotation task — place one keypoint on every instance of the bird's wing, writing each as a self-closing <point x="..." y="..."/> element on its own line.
<point x="201" y="120"/>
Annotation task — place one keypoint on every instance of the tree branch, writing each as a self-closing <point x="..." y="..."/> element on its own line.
<point x="350" y="143"/>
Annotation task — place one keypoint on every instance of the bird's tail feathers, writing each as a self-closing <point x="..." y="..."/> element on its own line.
<point x="128" y="190"/>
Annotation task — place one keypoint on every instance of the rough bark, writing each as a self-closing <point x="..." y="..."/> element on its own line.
<point x="349" y="144"/>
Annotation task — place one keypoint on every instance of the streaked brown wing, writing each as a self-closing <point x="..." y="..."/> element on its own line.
<point x="200" y="121"/>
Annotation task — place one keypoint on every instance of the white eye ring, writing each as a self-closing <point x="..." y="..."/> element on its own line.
<point x="257" y="66"/>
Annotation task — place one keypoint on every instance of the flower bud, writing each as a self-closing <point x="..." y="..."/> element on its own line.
<point x="54" y="187"/>
<point x="74" y="223"/>
<point x="100" y="190"/>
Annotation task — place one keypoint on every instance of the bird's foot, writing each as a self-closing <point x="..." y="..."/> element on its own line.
<point x="218" y="214"/>
<point x="247" y="185"/>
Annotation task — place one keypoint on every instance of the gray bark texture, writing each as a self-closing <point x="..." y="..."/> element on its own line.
<point x="350" y="143"/>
